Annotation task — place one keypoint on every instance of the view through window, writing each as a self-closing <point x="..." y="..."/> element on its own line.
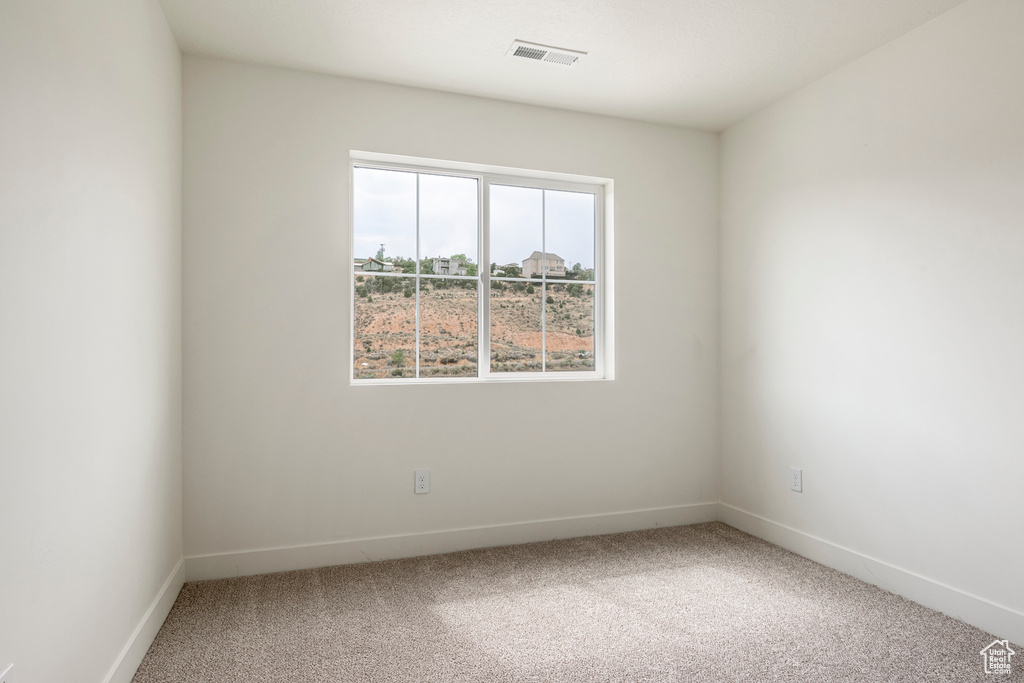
<point x="421" y="239"/>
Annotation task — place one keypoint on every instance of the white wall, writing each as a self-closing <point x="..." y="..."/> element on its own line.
<point x="872" y="275"/>
<point x="281" y="451"/>
<point x="90" y="330"/>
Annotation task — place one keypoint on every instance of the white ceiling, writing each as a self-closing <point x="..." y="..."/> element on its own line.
<point x="699" y="63"/>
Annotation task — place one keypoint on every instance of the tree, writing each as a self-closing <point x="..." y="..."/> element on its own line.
<point x="427" y="266"/>
<point x="406" y="265"/>
<point x="550" y="300"/>
<point x="398" y="358"/>
<point x="512" y="270"/>
<point x="380" y="253"/>
<point x="530" y="289"/>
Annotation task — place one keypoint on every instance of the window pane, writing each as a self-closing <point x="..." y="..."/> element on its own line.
<point x="516" y="228"/>
<point x="384" y="210"/>
<point x="569" y="327"/>
<point x="448" y="225"/>
<point x="516" y="326"/>
<point x="569" y="225"/>
<point x="385" y="327"/>
<point x="448" y="328"/>
<point x="417" y="242"/>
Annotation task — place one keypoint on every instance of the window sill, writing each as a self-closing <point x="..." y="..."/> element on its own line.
<point x="525" y="377"/>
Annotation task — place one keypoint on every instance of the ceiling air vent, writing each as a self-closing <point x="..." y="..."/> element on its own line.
<point x="544" y="53"/>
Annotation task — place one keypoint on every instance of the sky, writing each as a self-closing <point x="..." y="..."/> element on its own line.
<point x="385" y="212"/>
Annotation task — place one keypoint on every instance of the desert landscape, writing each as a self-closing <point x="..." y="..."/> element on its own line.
<point x="385" y="327"/>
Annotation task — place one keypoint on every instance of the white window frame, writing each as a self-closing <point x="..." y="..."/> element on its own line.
<point x="485" y="176"/>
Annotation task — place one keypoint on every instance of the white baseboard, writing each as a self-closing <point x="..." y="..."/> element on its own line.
<point x="128" y="661"/>
<point x="997" y="619"/>
<point x="247" y="563"/>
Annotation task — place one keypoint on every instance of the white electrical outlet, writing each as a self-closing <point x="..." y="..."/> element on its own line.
<point x="796" y="480"/>
<point x="422" y="481"/>
<point x="5" y="677"/>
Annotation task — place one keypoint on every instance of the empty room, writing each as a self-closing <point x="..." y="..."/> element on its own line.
<point x="585" y="340"/>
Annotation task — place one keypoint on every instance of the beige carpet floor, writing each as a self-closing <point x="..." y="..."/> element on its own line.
<point x="694" y="603"/>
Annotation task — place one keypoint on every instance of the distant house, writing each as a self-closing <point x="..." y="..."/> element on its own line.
<point x="503" y="270"/>
<point x="553" y="265"/>
<point x="447" y="266"/>
<point x="372" y="264"/>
